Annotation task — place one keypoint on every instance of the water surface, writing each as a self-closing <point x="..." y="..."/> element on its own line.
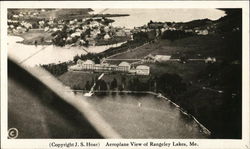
<point x="141" y="16"/>
<point x="46" y="54"/>
<point x="145" y="116"/>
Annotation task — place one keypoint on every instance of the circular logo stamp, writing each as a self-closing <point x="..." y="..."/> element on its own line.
<point x="12" y="133"/>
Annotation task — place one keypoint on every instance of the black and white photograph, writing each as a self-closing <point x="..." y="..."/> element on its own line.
<point x="125" y="73"/>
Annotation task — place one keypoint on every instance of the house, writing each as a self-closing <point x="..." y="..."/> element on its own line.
<point x="124" y="66"/>
<point x="132" y="71"/>
<point x="41" y="24"/>
<point x="149" y="58"/>
<point x="202" y="32"/>
<point x="106" y="37"/>
<point x="157" y="58"/>
<point x="12" y="26"/>
<point x="210" y="60"/>
<point x="88" y="64"/>
<point x="55" y="29"/>
<point x="91" y="42"/>
<point x="74" y="68"/>
<point x="142" y="70"/>
<point x="127" y="31"/>
<point x="76" y="34"/>
<point x="20" y="29"/>
<point x="106" y="29"/>
<point x="15" y="16"/>
<point x="46" y="29"/>
<point x="162" y="58"/>
<point x="71" y="22"/>
<point x="93" y="24"/>
<point x="26" y="25"/>
<point x="120" y="33"/>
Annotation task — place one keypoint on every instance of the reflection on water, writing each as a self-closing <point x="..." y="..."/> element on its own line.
<point x="145" y="116"/>
<point x="49" y="54"/>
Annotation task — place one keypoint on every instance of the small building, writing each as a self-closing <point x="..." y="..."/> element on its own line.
<point x="149" y="58"/>
<point x="203" y="32"/>
<point x="210" y="60"/>
<point x="76" y="34"/>
<point x="74" y="68"/>
<point x="142" y="70"/>
<point x="132" y="71"/>
<point x="106" y="37"/>
<point x="120" y="33"/>
<point x="162" y="58"/>
<point x="46" y="29"/>
<point x="88" y="64"/>
<point x="15" y="16"/>
<point x="91" y="42"/>
<point x="93" y="24"/>
<point x="55" y="29"/>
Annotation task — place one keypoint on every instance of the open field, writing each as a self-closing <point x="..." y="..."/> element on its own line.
<point x="210" y="45"/>
<point x="36" y="35"/>
<point x="188" y="71"/>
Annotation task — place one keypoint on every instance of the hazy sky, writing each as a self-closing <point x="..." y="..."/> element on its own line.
<point x="139" y="17"/>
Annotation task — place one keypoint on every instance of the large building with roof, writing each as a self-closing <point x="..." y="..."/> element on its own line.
<point x="124" y="66"/>
<point x="90" y="65"/>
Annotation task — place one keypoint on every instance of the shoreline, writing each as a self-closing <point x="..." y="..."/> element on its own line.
<point x="27" y="41"/>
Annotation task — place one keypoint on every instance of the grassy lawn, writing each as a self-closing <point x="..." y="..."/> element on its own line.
<point x="210" y="45"/>
<point x="36" y="35"/>
<point x="188" y="71"/>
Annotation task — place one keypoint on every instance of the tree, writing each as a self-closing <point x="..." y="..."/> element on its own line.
<point x="170" y="84"/>
<point x="123" y="81"/>
<point x="103" y="85"/>
<point x="174" y="35"/>
<point x="113" y="84"/>
<point x="87" y="86"/>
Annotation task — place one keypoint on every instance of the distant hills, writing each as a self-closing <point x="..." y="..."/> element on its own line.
<point x="65" y="14"/>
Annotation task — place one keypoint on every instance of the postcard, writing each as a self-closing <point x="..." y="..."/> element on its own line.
<point x="125" y="74"/>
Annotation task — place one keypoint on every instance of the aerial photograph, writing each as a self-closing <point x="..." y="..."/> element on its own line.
<point x="137" y="73"/>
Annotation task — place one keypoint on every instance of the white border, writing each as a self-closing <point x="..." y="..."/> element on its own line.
<point x="203" y="143"/>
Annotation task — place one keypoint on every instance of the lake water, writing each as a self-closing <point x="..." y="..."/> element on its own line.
<point x="49" y="54"/>
<point x="145" y="116"/>
<point x="139" y="16"/>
